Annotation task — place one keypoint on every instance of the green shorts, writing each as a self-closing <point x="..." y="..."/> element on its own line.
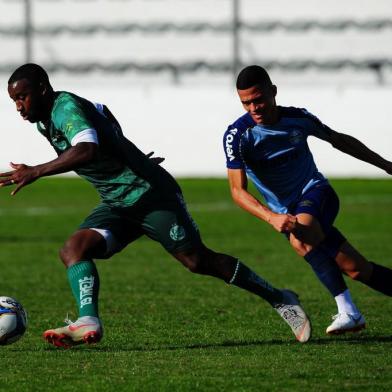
<point x="166" y="221"/>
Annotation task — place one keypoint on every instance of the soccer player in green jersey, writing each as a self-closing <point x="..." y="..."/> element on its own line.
<point x="137" y="197"/>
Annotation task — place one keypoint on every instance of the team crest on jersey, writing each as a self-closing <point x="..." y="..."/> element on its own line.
<point x="59" y="142"/>
<point x="306" y="203"/>
<point x="296" y="137"/>
<point x="177" y="233"/>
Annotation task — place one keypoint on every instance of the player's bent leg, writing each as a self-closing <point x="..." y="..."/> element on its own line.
<point x="204" y="261"/>
<point x="348" y="318"/>
<point x="232" y="271"/>
<point x="84" y="281"/>
<point x="322" y="264"/>
<point x="174" y="228"/>
<point x="321" y="259"/>
<point x="307" y="233"/>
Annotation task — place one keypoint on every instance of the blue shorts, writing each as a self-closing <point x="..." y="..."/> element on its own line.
<point x="322" y="202"/>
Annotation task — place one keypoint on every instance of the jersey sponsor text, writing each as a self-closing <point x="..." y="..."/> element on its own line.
<point x="229" y="143"/>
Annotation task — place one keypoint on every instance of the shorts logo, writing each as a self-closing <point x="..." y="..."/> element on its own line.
<point x="177" y="233"/>
<point x="306" y="203"/>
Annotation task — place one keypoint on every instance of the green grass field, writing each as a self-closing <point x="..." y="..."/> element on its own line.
<point x="169" y="330"/>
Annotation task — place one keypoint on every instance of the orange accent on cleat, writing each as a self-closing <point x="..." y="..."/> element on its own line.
<point x="74" y="334"/>
<point x="74" y="328"/>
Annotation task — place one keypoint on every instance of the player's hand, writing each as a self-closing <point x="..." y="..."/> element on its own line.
<point x="22" y="175"/>
<point x="283" y="223"/>
<point x="157" y="160"/>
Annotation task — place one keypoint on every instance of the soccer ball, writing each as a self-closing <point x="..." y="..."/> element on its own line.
<point x="13" y="320"/>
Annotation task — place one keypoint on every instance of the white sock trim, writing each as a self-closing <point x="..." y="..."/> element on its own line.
<point x="235" y="272"/>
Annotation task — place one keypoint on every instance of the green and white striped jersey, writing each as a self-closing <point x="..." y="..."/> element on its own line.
<point x="120" y="172"/>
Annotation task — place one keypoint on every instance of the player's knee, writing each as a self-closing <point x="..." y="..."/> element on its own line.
<point x="354" y="275"/>
<point x="64" y="255"/>
<point x="354" y="271"/>
<point x="69" y="253"/>
<point x="195" y="265"/>
<point x="300" y="247"/>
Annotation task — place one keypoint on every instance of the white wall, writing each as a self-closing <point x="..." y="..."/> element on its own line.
<point x="185" y="124"/>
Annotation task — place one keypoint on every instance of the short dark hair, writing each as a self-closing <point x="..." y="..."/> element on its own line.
<point x="34" y="73"/>
<point x="251" y="76"/>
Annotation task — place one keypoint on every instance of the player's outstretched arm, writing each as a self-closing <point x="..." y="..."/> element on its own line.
<point x="71" y="159"/>
<point x="352" y="146"/>
<point x="238" y="187"/>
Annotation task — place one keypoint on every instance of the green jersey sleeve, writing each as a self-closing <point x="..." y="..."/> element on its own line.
<point x="69" y="117"/>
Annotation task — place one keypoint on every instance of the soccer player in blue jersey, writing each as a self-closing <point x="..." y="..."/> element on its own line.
<point x="268" y="144"/>
<point x="138" y="197"/>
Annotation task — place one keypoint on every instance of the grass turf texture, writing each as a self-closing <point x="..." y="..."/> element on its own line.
<point x="168" y="329"/>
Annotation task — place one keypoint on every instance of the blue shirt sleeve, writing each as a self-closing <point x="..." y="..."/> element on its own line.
<point x="231" y="147"/>
<point x="316" y="127"/>
<point x="232" y="141"/>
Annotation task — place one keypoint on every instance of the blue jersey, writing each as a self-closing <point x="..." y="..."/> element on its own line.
<point x="276" y="157"/>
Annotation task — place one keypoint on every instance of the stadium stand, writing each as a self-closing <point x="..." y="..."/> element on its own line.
<point x="171" y="61"/>
<point x="181" y="37"/>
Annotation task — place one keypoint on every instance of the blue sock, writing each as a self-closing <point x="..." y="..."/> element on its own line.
<point x="326" y="270"/>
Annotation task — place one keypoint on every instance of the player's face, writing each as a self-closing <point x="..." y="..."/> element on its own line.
<point x="259" y="102"/>
<point x="29" y="100"/>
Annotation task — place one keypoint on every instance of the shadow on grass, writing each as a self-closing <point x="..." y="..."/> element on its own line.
<point x="340" y="340"/>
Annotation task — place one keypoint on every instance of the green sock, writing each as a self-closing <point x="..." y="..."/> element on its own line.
<point x="248" y="280"/>
<point x="84" y="280"/>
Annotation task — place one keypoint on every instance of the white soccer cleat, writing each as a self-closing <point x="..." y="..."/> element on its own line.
<point x="85" y="329"/>
<point x="293" y="314"/>
<point x="345" y="322"/>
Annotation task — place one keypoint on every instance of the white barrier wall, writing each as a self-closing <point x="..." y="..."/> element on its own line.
<point x="185" y="124"/>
